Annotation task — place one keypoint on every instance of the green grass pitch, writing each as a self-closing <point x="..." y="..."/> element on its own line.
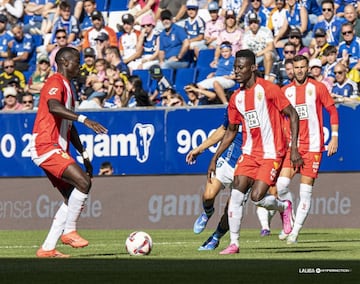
<point x="321" y="256"/>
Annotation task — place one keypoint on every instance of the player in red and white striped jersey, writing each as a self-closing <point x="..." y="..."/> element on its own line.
<point x="308" y="97"/>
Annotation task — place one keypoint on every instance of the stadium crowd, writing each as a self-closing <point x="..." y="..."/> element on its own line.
<point x="174" y="53"/>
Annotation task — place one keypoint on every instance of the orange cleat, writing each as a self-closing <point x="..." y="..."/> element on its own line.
<point x="50" y="253"/>
<point x="73" y="239"/>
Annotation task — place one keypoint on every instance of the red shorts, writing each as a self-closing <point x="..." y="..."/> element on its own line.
<point x="55" y="166"/>
<point x="311" y="163"/>
<point x="258" y="168"/>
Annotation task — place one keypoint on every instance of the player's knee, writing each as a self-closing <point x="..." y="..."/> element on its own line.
<point x="84" y="184"/>
<point x="256" y="196"/>
<point x="282" y="185"/>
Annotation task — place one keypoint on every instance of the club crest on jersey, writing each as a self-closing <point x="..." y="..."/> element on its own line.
<point x="316" y="158"/>
<point x="65" y="155"/>
<point x="259" y="96"/>
<point x="276" y="165"/>
<point x="53" y="91"/>
<point x="310" y="92"/>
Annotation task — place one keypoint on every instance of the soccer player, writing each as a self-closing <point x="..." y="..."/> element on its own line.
<point x="308" y="96"/>
<point x="53" y="132"/>
<point x="224" y="177"/>
<point x="259" y="106"/>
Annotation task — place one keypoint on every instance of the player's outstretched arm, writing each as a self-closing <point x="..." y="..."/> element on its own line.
<point x="214" y="138"/>
<point x="75" y="140"/>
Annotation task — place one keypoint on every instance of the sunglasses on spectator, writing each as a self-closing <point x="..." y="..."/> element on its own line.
<point x="147" y="25"/>
<point x="61" y="37"/>
<point x="119" y="86"/>
<point x="347" y="32"/>
<point x="8" y="66"/>
<point x="289" y="51"/>
<point x="338" y="72"/>
<point x="294" y="36"/>
<point x="43" y="61"/>
<point x="255" y="0"/>
<point x="27" y="102"/>
<point x="191" y="9"/>
<point x="327" y="10"/>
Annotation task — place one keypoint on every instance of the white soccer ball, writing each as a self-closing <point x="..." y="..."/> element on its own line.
<point x="138" y="243"/>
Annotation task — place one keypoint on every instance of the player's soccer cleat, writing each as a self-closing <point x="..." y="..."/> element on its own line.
<point x="210" y="244"/>
<point x="283" y="236"/>
<point x="50" y="253"/>
<point x="291" y="239"/>
<point x="73" y="239"/>
<point x="231" y="249"/>
<point x="287" y="218"/>
<point x="264" y="233"/>
<point x="200" y="223"/>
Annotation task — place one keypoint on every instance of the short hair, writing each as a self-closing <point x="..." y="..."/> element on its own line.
<point x="330" y="49"/>
<point x="114" y="50"/>
<point x="288" y="60"/>
<point x="288" y="43"/>
<point x="248" y="54"/>
<point x="327" y="2"/>
<point x="301" y="57"/>
<point x="64" y="52"/>
<point x="60" y="31"/>
<point x="64" y="5"/>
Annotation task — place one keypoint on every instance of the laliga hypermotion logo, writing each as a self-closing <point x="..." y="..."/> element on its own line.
<point x="144" y="133"/>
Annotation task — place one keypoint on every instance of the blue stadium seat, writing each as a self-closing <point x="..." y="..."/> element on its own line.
<point x="144" y="76"/>
<point x="38" y="40"/>
<point x="202" y="73"/>
<point x="183" y="77"/>
<point x="206" y="56"/>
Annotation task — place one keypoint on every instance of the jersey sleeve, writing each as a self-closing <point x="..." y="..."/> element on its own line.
<point x="234" y="115"/>
<point x="278" y="97"/>
<point x="53" y="90"/>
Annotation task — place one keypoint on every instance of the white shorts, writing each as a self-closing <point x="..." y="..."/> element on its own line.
<point x="209" y="83"/>
<point x="224" y="172"/>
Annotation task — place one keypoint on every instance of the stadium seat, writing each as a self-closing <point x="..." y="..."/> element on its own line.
<point x="183" y="77"/>
<point x="144" y="76"/>
<point x="205" y="57"/>
<point x="202" y="73"/>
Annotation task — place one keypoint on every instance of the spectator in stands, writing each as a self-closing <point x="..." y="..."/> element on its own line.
<point x="102" y="42"/>
<point x="295" y="37"/>
<point x="67" y="22"/>
<point x="297" y="17"/>
<point x="318" y="45"/>
<point x="137" y="96"/>
<point x="223" y="78"/>
<point x="11" y="101"/>
<point x="174" y="44"/>
<point x="315" y="67"/>
<point x="173" y="99"/>
<point x="86" y="69"/>
<point x="160" y="84"/>
<point x="94" y="101"/>
<point x="276" y="24"/>
<point x="331" y="23"/>
<point x="278" y="74"/>
<point x="343" y="88"/>
<point x="5" y="37"/>
<point x="239" y="8"/>
<point x="98" y="27"/>
<point x="148" y="43"/>
<point x="177" y="9"/>
<point x="289" y="69"/>
<point x="352" y="17"/>
<point x="201" y="96"/>
<point x="37" y="11"/>
<point x="214" y="26"/>
<point x="10" y="72"/>
<point x="27" y="101"/>
<point x="106" y="169"/>
<point x="260" y="41"/>
<point x="128" y="42"/>
<point x="195" y="27"/>
<point x="112" y="55"/>
<point x="22" y="49"/>
<point x="14" y="11"/>
<point x="349" y="48"/>
<point x="142" y="8"/>
<point x="231" y="33"/>
<point x="340" y="6"/>
<point x="89" y="7"/>
<point x="119" y="97"/>
<point x="331" y="55"/>
<point x="38" y="78"/>
<point x="256" y="6"/>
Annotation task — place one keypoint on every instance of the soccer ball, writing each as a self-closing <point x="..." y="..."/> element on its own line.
<point x="138" y="243"/>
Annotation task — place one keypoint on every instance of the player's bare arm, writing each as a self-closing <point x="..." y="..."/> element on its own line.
<point x="228" y="138"/>
<point x="57" y="109"/>
<point x="214" y="138"/>
<point x="295" y="156"/>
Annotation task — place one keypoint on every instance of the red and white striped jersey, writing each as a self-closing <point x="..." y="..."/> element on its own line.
<point x="259" y="110"/>
<point x="308" y="100"/>
<point x="50" y="131"/>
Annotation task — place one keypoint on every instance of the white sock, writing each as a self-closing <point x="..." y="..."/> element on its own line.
<point x="282" y="187"/>
<point x="263" y="216"/>
<point x="270" y="202"/>
<point x="57" y="228"/>
<point x="235" y="213"/>
<point x="76" y="203"/>
<point x="303" y="207"/>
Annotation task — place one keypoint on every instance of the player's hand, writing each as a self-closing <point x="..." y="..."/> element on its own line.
<point x="97" y="127"/>
<point x="88" y="167"/>
<point x="296" y="159"/>
<point x="332" y="146"/>
<point x="211" y="170"/>
<point x="192" y="155"/>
